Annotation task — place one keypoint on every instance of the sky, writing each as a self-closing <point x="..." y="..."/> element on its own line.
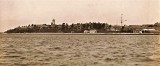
<point x="14" y="13"/>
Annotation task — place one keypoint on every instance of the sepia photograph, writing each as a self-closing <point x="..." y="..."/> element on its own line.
<point x="79" y="32"/>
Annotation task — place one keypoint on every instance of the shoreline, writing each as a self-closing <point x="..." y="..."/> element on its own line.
<point x="86" y="33"/>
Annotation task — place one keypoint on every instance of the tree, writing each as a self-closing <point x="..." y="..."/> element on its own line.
<point x="63" y="26"/>
<point x="98" y="25"/>
<point x="66" y="26"/>
<point x="110" y="26"/>
<point x="157" y="24"/>
<point x="103" y="25"/>
<point x="72" y="26"/>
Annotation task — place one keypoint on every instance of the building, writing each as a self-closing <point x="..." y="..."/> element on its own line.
<point x="86" y="31"/>
<point x="93" y="31"/>
<point x="23" y="27"/>
<point x="59" y="27"/>
<point x="150" y="31"/>
<point x="90" y="31"/>
<point x="41" y="26"/>
<point x="137" y="31"/>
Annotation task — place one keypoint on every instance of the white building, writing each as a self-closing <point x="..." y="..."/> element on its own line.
<point x="90" y="31"/>
<point x="149" y="31"/>
<point x="93" y="31"/>
<point x="86" y="31"/>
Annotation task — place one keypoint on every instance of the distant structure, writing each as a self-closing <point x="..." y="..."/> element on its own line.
<point x="90" y="31"/>
<point x="86" y="31"/>
<point x="121" y="19"/>
<point x="53" y="23"/>
<point x="93" y="31"/>
<point x="149" y="31"/>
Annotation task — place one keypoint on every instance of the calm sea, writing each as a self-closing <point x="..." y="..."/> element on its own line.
<point x="79" y="50"/>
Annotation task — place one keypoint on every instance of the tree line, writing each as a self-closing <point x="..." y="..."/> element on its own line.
<point x="80" y="27"/>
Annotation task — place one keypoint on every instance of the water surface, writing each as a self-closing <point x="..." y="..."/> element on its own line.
<point x="79" y="50"/>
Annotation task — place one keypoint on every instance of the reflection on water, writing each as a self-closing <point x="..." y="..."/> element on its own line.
<point x="79" y="50"/>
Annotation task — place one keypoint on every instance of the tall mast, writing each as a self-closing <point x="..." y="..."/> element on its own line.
<point x="121" y="19"/>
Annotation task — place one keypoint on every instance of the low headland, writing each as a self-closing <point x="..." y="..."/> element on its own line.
<point x="90" y="28"/>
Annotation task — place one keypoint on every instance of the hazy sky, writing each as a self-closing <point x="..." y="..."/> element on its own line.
<point x="15" y="13"/>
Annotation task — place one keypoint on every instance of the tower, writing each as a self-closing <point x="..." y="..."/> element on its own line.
<point x="53" y="23"/>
